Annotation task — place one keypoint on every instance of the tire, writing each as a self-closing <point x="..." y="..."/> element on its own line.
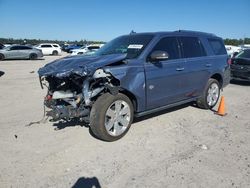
<point x="207" y="102"/>
<point x="1" y="57"/>
<point x="104" y="123"/>
<point x="55" y="52"/>
<point x="33" y="56"/>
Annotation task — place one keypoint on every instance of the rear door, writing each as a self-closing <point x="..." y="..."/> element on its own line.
<point x="163" y="78"/>
<point x="197" y="66"/>
<point x="46" y="49"/>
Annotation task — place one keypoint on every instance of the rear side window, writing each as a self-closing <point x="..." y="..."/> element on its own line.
<point x="15" y="48"/>
<point x="169" y="45"/>
<point x="192" y="47"/>
<point x="93" y="47"/>
<point x="217" y="46"/>
<point x="25" y="48"/>
<point x="46" y="46"/>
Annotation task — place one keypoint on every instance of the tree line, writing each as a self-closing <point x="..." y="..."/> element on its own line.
<point x="227" y="41"/>
<point x="38" y="41"/>
<point x="237" y="42"/>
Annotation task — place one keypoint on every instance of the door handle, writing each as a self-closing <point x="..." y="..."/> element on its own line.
<point x="208" y="65"/>
<point x="180" y="69"/>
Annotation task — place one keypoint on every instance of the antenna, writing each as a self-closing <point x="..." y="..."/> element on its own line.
<point x="132" y="32"/>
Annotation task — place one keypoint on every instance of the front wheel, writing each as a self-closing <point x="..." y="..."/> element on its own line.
<point x="1" y="57"/>
<point x="111" y="116"/>
<point x="210" y="95"/>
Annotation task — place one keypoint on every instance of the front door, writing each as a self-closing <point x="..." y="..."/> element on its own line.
<point x="164" y="78"/>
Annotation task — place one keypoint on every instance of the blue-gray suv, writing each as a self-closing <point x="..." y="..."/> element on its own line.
<point x="135" y="75"/>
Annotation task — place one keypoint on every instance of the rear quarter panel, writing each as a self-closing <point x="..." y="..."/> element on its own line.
<point x="219" y="62"/>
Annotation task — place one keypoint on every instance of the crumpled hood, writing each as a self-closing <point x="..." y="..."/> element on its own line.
<point x="81" y="65"/>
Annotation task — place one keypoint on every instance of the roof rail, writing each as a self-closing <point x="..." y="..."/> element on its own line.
<point x="200" y="32"/>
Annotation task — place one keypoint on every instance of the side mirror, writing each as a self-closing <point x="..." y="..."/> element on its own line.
<point x="159" y="56"/>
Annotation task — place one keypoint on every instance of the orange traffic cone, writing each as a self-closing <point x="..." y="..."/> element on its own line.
<point x="221" y="109"/>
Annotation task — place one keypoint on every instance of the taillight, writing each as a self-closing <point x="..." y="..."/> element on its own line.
<point x="48" y="97"/>
<point x="229" y="61"/>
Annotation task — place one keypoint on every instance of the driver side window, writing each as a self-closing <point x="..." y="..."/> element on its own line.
<point x="169" y="45"/>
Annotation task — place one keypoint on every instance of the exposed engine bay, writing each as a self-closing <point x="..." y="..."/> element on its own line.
<point x="72" y="97"/>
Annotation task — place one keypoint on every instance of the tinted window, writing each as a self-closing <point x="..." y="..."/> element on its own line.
<point x="169" y="45"/>
<point x="15" y="48"/>
<point x="24" y="48"/>
<point x="93" y="47"/>
<point x="56" y="46"/>
<point x="244" y="54"/>
<point x="192" y="47"/>
<point x="46" y="46"/>
<point x="217" y="46"/>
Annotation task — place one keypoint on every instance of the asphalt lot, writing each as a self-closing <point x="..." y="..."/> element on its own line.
<point x="180" y="147"/>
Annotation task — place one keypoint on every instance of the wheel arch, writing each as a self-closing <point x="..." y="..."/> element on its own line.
<point x="2" y="55"/>
<point x="131" y="96"/>
<point x="219" y="78"/>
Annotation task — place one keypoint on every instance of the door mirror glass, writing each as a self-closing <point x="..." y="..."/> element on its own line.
<point x="159" y="55"/>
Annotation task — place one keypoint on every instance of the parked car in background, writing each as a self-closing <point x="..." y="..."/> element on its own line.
<point x="135" y="75"/>
<point x="90" y="49"/>
<point x="64" y="46"/>
<point x="232" y="50"/>
<point x="49" y="49"/>
<point x="245" y="46"/>
<point x="240" y="66"/>
<point x="7" y="45"/>
<point x="72" y="47"/>
<point x="1" y="46"/>
<point x="20" y="52"/>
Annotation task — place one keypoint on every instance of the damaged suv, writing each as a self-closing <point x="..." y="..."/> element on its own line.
<point x="134" y="75"/>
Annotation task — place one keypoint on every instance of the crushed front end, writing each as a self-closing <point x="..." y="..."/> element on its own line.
<point x="72" y="96"/>
<point x="73" y="85"/>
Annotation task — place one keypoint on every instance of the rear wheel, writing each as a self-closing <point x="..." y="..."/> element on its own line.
<point x="210" y="95"/>
<point x="111" y="116"/>
<point x="1" y="57"/>
<point x="55" y="52"/>
<point x="33" y="56"/>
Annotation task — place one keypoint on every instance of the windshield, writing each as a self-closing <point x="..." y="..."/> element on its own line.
<point x="6" y="47"/>
<point x="244" y="54"/>
<point x="132" y="45"/>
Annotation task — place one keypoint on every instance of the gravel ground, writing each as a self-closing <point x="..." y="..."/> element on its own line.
<point x="180" y="147"/>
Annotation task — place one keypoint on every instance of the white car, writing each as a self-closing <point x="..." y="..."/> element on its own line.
<point x="245" y="46"/>
<point x="232" y="49"/>
<point x="87" y="49"/>
<point x="49" y="49"/>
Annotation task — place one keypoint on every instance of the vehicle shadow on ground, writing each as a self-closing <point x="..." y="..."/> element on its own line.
<point x="24" y="59"/>
<point x="72" y="123"/>
<point x="84" y="182"/>
<point x="2" y="73"/>
<point x="75" y="122"/>
<point x="242" y="83"/>
<point x="173" y="109"/>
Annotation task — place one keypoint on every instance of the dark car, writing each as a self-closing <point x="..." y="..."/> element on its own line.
<point x="64" y="46"/>
<point x="240" y="67"/>
<point x="1" y="46"/>
<point x="69" y="48"/>
<point x="20" y="52"/>
<point x="135" y="75"/>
